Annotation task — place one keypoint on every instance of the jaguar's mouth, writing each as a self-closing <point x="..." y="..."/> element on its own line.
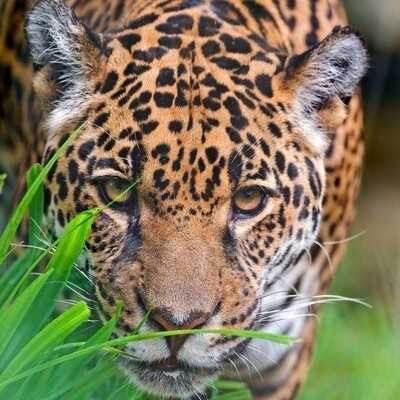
<point x="169" y="377"/>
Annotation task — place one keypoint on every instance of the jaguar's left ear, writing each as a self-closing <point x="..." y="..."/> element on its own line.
<point x="321" y="80"/>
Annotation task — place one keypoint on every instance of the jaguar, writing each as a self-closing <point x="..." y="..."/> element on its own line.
<point x="226" y="138"/>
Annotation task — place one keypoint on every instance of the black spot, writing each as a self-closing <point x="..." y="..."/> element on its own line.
<point x="232" y="105"/>
<point x="226" y="62"/>
<point x="210" y="48"/>
<point x="297" y="194"/>
<point x="160" y="149"/>
<point x="62" y="186"/>
<point x="183" y="5"/>
<point x="176" y="24"/>
<point x="101" y="119"/>
<point x="259" y="12"/>
<point x="286" y="194"/>
<point x="234" y="135"/>
<point x="235" y="166"/>
<point x="109" y="84"/>
<point x="142" y="114"/>
<point x="149" y="127"/>
<point x="163" y="99"/>
<point x="172" y="42"/>
<point x="123" y="153"/>
<point x="208" y="26"/>
<point x="85" y="149"/>
<point x="265" y="148"/>
<point x="165" y="77"/>
<point x="212" y="154"/>
<point x="280" y="161"/>
<point x="175" y="126"/>
<point x="263" y="83"/>
<point x="150" y="54"/>
<point x="134" y="69"/>
<point x="248" y="151"/>
<point x="129" y="40"/>
<point x="142" y="21"/>
<point x="143" y="98"/>
<point x="158" y="178"/>
<point x="228" y="12"/>
<point x="125" y="133"/>
<point x="73" y="170"/>
<point x="60" y="218"/>
<point x="292" y="171"/>
<point x="102" y="139"/>
<point x="201" y="165"/>
<point x="181" y="69"/>
<point x="311" y="39"/>
<point x="275" y="130"/>
<point x="192" y="156"/>
<point x="235" y="44"/>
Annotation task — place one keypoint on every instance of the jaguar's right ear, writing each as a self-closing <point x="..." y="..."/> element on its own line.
<point x="65" y="53"/>
<point x="321" y="80"/>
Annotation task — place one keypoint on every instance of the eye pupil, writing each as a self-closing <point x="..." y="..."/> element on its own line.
<point x="249" y="201"/>
<point x="114" y="191"/>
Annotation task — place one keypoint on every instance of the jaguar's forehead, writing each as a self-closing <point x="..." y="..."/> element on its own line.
<point x="191" y="107"/>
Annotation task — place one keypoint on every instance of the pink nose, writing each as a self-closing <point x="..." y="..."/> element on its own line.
<point x="166" y="322"/>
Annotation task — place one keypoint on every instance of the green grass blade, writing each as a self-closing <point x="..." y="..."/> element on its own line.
<point x="85" y="388"/>
<point x="229" y="385"/>
<point x="69" y="247"/>
<point x="13" y="224"/>
<point x="3" y="178"/>
<point x="36" y="207"/>
<point x="152" y="335"/>
<point x="45" y="341"/>
<point x="286" y="340"/>
<point x="69" y="373"/>
<point x="12" y="277"/>
<point x="11" y="317"/>
<point x="243" y="394"/>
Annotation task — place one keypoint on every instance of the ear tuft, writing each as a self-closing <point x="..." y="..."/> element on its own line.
<point x="331" y="70"/>
<point x="54" y="33"/>
<point x="60" y="46"/>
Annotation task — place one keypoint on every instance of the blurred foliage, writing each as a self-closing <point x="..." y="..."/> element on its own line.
<point x="357" y="354"/>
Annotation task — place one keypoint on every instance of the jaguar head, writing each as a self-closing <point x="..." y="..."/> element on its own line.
<point x="225" y="140"/>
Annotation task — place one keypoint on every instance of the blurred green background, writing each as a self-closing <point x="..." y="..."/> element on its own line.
<point x="358" y="349"/>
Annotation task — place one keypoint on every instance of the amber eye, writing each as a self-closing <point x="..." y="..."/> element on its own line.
<point x="115" y="190"/>
<point x="249" y="201"/>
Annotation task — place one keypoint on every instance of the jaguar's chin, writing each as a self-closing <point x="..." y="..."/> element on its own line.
<point x="182" y="381"/>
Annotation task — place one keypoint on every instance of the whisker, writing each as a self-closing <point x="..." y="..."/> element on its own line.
<point x="327" y="255"/>
<point x="346" y="240"/>
<point x="234" y="367"/>
<point x="252" y="364"/>
<point x="263" y="353"/>
<point x="238" y="356"/>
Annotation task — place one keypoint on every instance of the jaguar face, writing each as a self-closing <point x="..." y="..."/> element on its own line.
<point x="211" y="156"/>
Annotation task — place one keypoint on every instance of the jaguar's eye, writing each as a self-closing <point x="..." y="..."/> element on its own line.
<point x="116" y="191"/>
<point x="249" y="201"/>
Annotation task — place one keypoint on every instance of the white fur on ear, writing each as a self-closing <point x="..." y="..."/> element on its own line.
<point x="332" y="69"/>
<point x="56" y="39"/>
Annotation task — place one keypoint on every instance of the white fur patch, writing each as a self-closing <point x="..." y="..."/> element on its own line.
<point x="55" y="38"/>
<point x="335" y="68"/>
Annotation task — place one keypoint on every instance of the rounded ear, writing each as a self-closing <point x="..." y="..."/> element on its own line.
<point x="322" y="80"/>
<point x="65" y="53"/>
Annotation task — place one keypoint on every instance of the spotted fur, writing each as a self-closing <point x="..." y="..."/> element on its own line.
<point x="195" y="100"/>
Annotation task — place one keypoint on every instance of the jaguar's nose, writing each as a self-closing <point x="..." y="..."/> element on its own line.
<point x="165" y="320"/>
